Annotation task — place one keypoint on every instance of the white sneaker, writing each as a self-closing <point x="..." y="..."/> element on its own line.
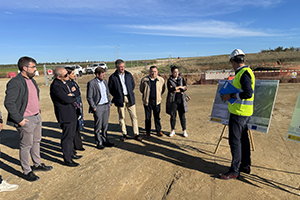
<point x="185" y="134"/>
<point x="4" y="186"/>
<point x="172" y="133"/>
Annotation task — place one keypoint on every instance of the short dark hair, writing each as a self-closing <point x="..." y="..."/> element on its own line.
<point x="153" y="66"/>
<point x="24" y="61"/>
<point x="69" y="69"/>
<point x="173" y="67"/>
<point x="99" y="70"/>
<point x="119" y="61"/>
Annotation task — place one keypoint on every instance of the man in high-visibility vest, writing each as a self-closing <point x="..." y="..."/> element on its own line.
<point x="240" y="113"/>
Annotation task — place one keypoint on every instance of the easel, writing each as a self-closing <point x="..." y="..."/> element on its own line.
<point x="221" y="137"/>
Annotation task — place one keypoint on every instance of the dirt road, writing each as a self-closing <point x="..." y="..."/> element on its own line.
<point x="159" y="167"/>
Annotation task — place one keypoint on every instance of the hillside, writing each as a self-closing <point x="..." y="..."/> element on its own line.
<point x="267" y="60"/>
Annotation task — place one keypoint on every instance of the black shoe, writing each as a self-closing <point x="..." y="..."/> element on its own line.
<point x="124" y="138"/>
<point x="76" y="157"/>
<point x="138" y="138"/>
<point x="71" y="163"/>
<point x="81" y="149"/>
<point x="245" y="170"/>
<point x="108" y="144"/>
<point x="100" y="147"/>
<point x="41" y="167"/>
<point x="31" y="177"/>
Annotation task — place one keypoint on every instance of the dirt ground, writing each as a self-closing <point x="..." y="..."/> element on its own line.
<point x="159" y="167"/>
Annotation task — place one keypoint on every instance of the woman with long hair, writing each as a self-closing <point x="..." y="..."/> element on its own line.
<point x="76" y="91"/>
<point x="176" y="100"/>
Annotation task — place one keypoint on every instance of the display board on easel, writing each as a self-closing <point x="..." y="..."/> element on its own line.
<point x="294" y="129"/>
<point x="264" y="100"/>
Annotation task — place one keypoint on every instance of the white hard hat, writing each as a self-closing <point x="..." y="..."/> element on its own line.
<point x="236" y="52"/>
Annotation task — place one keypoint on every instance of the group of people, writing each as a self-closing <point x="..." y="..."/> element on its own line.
<point x="22" y="104"/>
<point x="66" y="98"/>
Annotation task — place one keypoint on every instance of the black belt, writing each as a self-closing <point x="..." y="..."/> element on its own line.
<point x="36" y="114"/>
<point x="103" y="104"/>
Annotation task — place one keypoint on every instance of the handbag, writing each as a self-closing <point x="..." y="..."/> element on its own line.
<point x="187" y="97"/>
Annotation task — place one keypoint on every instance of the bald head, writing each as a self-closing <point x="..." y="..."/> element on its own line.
<point x="61" y="74"/>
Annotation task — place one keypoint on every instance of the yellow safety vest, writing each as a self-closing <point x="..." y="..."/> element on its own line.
<point x="243" y="107"/>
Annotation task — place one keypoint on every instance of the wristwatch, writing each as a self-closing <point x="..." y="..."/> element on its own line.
<point x="232" y="95"/>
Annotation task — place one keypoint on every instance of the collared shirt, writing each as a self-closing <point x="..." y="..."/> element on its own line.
<point x="103" y="93"/>
<point x="122" y="78"/>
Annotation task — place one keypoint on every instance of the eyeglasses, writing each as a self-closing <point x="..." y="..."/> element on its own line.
<point x="65" y="75"/>
<point x="31" y="67"/>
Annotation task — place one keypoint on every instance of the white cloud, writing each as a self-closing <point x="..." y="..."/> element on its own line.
<point x="208" y="29"/>
<point x="170" y="8"/>
<point x="8" y="13"/>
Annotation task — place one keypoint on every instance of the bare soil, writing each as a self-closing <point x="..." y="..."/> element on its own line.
<point x="159" y="167"/>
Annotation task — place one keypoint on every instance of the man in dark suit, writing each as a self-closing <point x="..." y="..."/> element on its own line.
<point x="98" y="98"/>
<point x="65" y="111"/>
<point x="22" y="104"/>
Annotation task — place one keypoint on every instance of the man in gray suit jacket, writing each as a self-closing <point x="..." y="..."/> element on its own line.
<point x="99" y="100"/>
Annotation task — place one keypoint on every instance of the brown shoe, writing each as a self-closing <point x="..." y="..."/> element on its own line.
<point x="138" y="138"/>
<point x="160" y="134"/>
<point x="124" y="138"/>
<point x="228" y="176"/>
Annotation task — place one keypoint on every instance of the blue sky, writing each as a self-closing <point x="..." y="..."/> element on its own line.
<point x="79" y="30"/>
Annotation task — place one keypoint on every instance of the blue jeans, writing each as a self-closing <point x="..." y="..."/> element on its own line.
<point x="239" y="143"/>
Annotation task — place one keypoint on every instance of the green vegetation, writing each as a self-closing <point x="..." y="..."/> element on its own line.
<point x="278" y="49"/>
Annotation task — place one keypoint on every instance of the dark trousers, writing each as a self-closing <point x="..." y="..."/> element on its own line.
<point x="101" y="116"/>
<point x="68" y="133"/>
<point x="178" y="105"/>
<point x="156" y="112"/>
<point x="77" y="138"/>
<point x="239" y="142"/>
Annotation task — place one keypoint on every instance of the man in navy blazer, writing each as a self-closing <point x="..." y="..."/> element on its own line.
<point x="99" y="101"/>
<point x="121" y="86"/>
<point x="65" y="111"/>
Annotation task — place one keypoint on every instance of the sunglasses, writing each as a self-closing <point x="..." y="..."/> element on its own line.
<point x="65" y="75"/>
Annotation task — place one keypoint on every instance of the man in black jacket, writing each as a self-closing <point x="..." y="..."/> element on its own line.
<point x="121" y="86"/>
<point x="22" y="104"/>
<point x="64" y="102"/>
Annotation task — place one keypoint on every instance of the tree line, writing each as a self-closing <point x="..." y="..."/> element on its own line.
<point x="279" y="49"/>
